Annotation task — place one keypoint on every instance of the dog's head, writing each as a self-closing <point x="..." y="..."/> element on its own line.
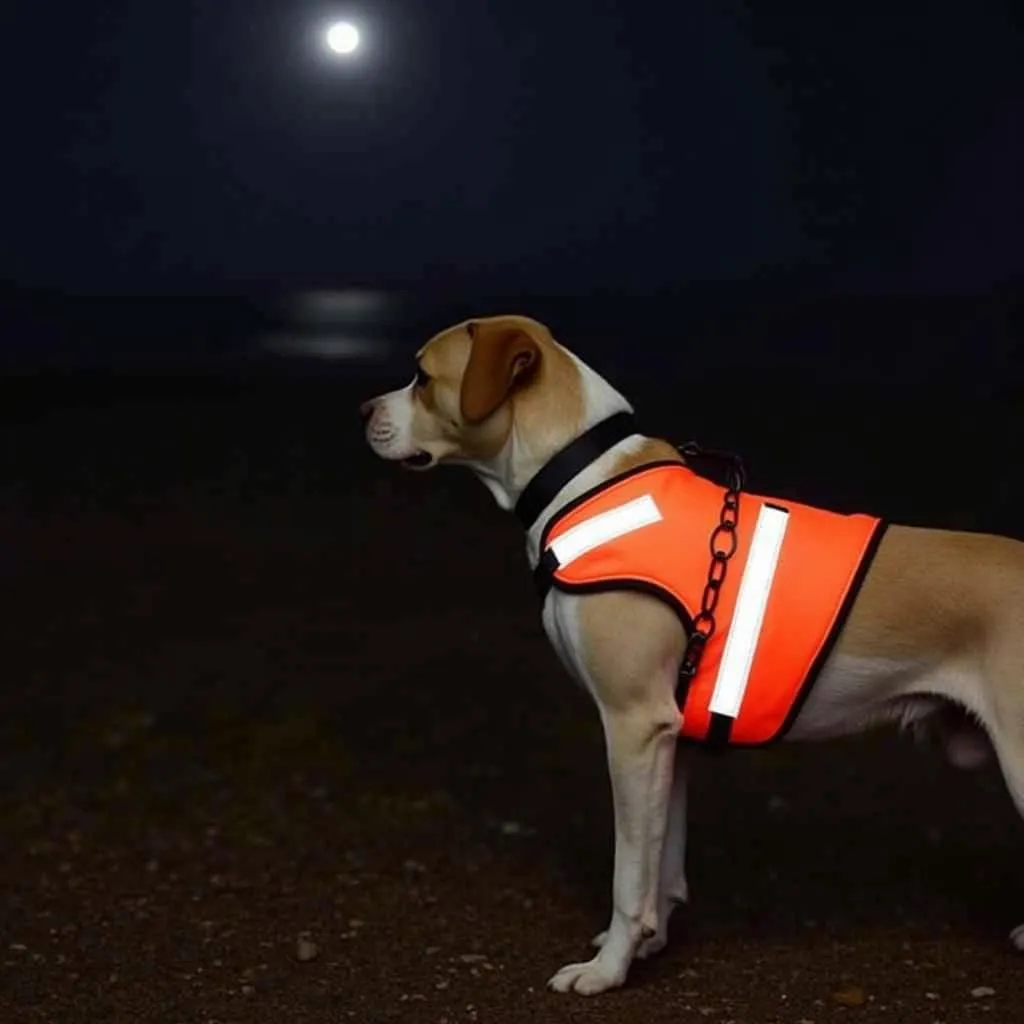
<point x="498" y="394"/>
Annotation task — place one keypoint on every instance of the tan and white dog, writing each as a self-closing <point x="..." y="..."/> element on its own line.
<point x="934" y="639"/>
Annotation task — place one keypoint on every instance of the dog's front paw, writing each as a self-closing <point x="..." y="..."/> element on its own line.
<point x="597" y="975"/>
<point x="1017" y="938"/>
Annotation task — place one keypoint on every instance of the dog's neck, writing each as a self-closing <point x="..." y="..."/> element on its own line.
<point x="522" y="457"/>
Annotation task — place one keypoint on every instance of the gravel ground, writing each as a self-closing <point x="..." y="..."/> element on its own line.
<point x="300" y="752"/>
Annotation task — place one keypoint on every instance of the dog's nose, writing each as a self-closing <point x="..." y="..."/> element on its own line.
<point x="366" y="409"/>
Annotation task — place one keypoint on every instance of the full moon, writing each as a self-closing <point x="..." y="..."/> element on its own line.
<point x="343" y="37"/>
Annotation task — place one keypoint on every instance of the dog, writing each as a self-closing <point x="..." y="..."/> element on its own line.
<point x="931" y="637"/>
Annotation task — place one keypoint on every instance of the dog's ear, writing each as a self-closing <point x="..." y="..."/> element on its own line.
<point x="502" y="357"/>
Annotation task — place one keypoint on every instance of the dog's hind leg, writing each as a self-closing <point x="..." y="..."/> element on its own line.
<point x="1009" y="744"/>
<point x="1005" y="723"/>
<point x="1010" y="751"/>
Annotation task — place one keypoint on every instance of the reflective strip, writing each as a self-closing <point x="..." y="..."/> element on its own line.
<point x="748" y="616"/>
<point x="605" y="526"/>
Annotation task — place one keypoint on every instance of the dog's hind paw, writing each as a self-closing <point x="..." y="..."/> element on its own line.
<point x="1017" y="938"/>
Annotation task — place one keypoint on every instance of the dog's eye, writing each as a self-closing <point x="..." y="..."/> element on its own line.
<point x="422" y="377"/>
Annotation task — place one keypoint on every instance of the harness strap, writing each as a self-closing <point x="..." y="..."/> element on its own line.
<point x="569" y="463"/>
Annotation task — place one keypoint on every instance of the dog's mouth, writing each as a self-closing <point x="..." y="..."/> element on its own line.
<point x="418" y="460"/>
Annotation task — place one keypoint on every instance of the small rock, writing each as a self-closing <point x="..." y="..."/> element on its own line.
<point x="511" y="828"/>
<point x="306" y="950"/>
<point x="854" y="995"/>
<point x="983" y="992"/>
<point x="473" y="958"/>
<point x="248" y="990"/>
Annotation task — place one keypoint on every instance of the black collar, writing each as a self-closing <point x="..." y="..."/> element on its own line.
<point x="569" y="462"/>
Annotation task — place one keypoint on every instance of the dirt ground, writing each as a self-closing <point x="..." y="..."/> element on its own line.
<point x="291" y="746"/>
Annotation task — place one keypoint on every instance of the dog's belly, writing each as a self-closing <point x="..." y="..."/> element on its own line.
<point x="854" y="693"/>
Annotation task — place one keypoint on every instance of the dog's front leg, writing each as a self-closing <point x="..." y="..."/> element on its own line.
<point x="641" y="743"/>
<point x="673" y="889"/>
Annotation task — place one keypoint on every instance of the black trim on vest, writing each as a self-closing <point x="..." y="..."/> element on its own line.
<point x="544" y="574"/>
<point x="569" y="463"/>
<point x="719" y="732"/>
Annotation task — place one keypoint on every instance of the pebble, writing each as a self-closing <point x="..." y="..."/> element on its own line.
<point x="306" y="950"/>
<point x="852" y="996"/>
<point x="982" y="992"/>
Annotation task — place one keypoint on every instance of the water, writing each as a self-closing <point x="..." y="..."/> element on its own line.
<point x="700" y="330"/>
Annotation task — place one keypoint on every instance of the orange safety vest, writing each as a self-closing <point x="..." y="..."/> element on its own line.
<point x="789" y="586"/>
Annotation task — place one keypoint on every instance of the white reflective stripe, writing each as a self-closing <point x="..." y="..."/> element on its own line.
<point x="748" y="616"/>
<point x="605" y="526"/>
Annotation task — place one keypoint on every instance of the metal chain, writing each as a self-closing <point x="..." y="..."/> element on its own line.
<point x="723" y="543"/>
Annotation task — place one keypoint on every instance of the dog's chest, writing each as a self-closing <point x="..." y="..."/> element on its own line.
<point x="560" y="619"/>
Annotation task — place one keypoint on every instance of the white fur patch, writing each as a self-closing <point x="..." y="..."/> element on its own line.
<point x="389" y="432"/>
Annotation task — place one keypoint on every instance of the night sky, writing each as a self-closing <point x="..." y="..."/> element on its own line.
<point x="561" y="144"/>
